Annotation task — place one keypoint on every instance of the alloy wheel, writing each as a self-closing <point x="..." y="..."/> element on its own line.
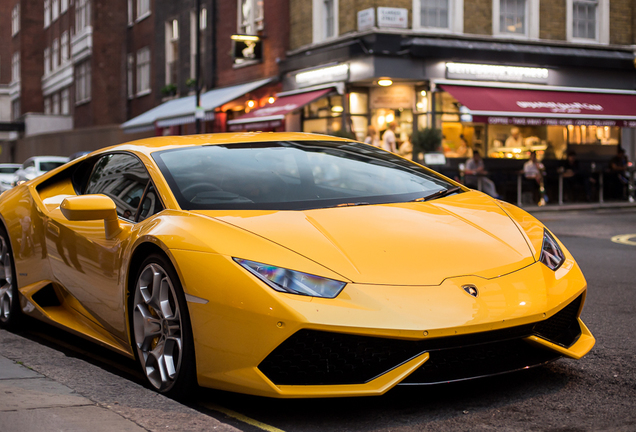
<point x="158" y="327"/>
<point x="6" y="281"/>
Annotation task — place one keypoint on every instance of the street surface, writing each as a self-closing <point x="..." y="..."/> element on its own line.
<point x="596" y="393"/>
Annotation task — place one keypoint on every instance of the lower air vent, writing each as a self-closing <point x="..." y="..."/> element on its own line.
<point x="46" y="297"/>
<point x="563" y="327"/>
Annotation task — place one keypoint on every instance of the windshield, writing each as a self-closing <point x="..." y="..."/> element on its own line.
<point x="8" y="170"/>
<point x="292" y="176"/>
<point x="48" y="166"/>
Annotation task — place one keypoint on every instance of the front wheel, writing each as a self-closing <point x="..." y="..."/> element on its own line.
<point x="161" y="328"/>
<point x="10" y="312"/>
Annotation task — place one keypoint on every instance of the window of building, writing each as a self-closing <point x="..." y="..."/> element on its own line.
<point x="55" y="54"/>
<point x="64" y="47"/>
<point x="55" y="9"/>
<point x="203" y="23"/>
<point x="131" y="18"/>
<point x="56" y="103"/>
<point x="325" y="19"/>
<point x="129" y="75"/>
<point x="82" y="15"/>
<point x="63" y="6"/>
<point x="47" y="105"/>
<point x="15" y="19"/>
<point x="251" y="16"/>
<point x="16" y="109"/>
<point x="47" y="13"/>
<point x="15" y="67"/>
<point x="439" y="15"/>
<point x="47" y="60"/>
<point x="65" y="107"/>
<point x="587" y="21"/>
<point x="143" y="71"/>
<point x="143" y="9"/>
<point x="516" y="18"/>
<point x="83" y="82"/>
<point x="172" y="52"/>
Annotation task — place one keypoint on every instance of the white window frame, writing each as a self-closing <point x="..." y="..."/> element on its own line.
<point x="131" y="17"/>
<point x="47" y="61"/>
<point x="83" y="83"/>
<point x="55" y="9"/>
<point x="531" y="24"/>
<point x="130" y="67"/>
<point x="203" y="19"/>
<point x="82" y="15"/>
<point x="172" y="39"/>
<point x="257" y="23"/>
<point x="65" y="102"/>
<point x="602" y="23"/>
<point x="15" y="67"/>
<point x="55" y="103"/>
<point x="318" y="21"/>
<point x="15" y="19"/>
<point x="143" y="71"/>
<point x="63" y="6"/>
<point x="47" y="13"/>
<point x="55" y="54"/>
<point x="455" y="17"/>
<point x="64" y="47"/>
<point x="47" y="105"/>
<point x="143" y="9"/>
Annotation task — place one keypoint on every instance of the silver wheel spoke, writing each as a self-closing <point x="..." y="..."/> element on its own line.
<point x="147" y="327"/>
<point x="6" y="291"/>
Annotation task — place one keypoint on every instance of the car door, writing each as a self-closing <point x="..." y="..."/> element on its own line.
<point x="87" y="264"/>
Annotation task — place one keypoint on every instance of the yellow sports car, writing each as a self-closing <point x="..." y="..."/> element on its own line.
<point x="286" y="265"/>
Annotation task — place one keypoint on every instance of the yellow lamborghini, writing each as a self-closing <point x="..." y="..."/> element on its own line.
<point x="286" y="265"/>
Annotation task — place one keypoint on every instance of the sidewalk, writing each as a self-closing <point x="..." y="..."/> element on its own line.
<point x="580" y="206"/>
<point x="42" y="389"/>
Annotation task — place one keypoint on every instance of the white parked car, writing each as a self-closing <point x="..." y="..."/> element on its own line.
<point x="7" y="172"/>
<point x="36" y="166"/>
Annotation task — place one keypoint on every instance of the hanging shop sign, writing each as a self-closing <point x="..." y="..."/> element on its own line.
<point x="483" y="72"/>
<point x="366" y="19"/>
<point x="323" y="75"/>
<point x="246" y="48"/>
<point x="395" y="96"/>
<point x="393" y="17"/>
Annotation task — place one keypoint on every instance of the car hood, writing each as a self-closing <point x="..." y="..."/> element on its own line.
<point x="397" y="244"/>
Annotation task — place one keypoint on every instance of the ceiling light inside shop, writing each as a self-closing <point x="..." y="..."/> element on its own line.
<point x="390" y="117"/>
<point x="423" y="92"/>
<point x="271" y="99"/>
<point x="381" y="120"/>
<point x="251" y="103"/>
<point x="337" y="109"/>
<point x="385" y="82"/>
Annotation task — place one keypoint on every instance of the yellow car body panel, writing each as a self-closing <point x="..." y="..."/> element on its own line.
<point x="392" y="290"/>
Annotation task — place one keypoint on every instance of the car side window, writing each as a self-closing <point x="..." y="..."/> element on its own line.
<point x="121" y="177"/>
<point x="29" y="163"/>
<point x="150" y="204"/>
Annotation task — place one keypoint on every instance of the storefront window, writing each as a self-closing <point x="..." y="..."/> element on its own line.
<point x="324" y="115"/>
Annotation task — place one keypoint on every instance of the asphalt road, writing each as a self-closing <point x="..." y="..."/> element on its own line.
<point x="597" y="393"/>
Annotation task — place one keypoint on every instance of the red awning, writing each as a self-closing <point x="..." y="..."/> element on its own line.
<point x="545" y="107"/>
<point x="264" y="117"/>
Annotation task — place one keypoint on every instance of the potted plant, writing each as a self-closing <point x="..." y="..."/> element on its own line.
<point x="169" y="90"/>
<point x="425" y="141"/>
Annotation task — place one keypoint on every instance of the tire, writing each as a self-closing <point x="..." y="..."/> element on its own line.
<point x="161" y="329"/>
<point x="10" y="312"/>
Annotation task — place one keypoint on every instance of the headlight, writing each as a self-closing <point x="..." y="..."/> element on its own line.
<point x="294" y="282"/>
<point x="551" y="253"/>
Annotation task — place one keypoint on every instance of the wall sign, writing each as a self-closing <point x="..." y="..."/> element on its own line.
<point x="393" y="17"/>
<point x="246" y="50"/>
<point x="395" y="96"/>
<point x="366" y="19"/>
<point x="482" y="72"/>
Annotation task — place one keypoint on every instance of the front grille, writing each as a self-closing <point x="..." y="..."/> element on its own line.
<point x="563" y="327"/>
<point x="474" y="361"/>
<point x="311" y="357"/>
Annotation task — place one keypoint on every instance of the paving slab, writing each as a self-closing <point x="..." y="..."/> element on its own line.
<point x="12" y="370"/>
<point x="75" y="419"/>
<point x="30" y="393"/>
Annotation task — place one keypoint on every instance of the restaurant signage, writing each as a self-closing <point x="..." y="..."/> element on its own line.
<point x="395" y="96"/>
<point x="482" y="72"/>
<point x="323" y="75"/>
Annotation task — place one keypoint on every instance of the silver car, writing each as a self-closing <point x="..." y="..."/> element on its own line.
<point x="36" y="166"/>
<point x="7" y="172"/>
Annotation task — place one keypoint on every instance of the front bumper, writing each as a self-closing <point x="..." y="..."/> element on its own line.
<point x="251" y="339"/>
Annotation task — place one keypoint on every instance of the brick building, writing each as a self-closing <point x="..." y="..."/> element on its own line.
<point x="424" y="63"/>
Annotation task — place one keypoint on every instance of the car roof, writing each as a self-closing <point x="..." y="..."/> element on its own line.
<point x="151" y="145"/>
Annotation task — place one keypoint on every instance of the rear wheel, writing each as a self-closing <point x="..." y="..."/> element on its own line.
<point x="161" y="328"/>
<point x="10" y="312"/>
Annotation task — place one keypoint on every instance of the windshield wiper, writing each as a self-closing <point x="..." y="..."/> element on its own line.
<point x="438" y="194"/>
<point x="351" y="204"/>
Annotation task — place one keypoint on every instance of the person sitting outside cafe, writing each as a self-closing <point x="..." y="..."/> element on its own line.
<point x="474" y="170"/>
<point x="574" y="180"/>
<point x="534" y="171"/>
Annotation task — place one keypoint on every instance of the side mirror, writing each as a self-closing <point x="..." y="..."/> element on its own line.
<point x="93" y="207"/>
